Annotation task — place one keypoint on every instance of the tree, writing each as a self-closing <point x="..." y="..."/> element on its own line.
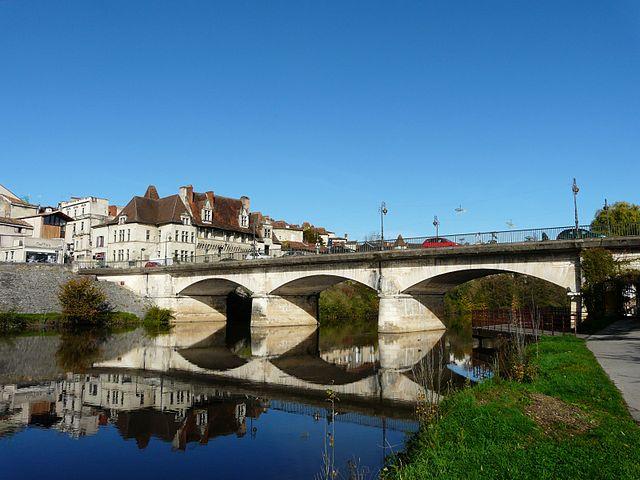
<point x="617" y="217"/>
<point x="83" y="301"/>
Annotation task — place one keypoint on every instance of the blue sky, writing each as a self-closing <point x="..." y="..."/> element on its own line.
<point x="318" y="110"/>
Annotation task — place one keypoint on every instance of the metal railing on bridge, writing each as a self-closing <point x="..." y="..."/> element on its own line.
<point x="548" y="234"/>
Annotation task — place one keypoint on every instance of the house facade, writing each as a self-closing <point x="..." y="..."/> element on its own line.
<point x="37" y="238"/>
<point x="176" y="228"/>
<point x="11" y="206"/>
<point x="85" y="213"/>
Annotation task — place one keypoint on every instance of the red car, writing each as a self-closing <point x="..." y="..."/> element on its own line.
<point x="437" y="242"/>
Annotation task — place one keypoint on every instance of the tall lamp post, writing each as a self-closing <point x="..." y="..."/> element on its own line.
<point x="436" y="223"/>
<point x="166" y="245"/>
<point x="383" y="212"/>
<point x="606" y="212"/>
<point x="575" y="190"/>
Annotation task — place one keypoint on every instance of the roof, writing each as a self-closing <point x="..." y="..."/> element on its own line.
<point x="13" y="198"/>
<point x="57" y="213"/>
<point x="15" y="221"/>
<point x="153" y="210"/>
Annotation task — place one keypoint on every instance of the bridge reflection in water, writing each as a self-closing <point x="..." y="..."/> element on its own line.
<point x="210" y="381"/>
<point x="286" y="358"/>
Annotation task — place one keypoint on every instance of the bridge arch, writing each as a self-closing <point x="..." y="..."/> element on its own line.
<point x="208" y="298"/>
<point x="314" y="283"/>
<point x="440" y="282"/>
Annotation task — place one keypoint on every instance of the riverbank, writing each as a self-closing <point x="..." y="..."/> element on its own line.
<point x="12" y="323"/>
<point x="570" y="422"/>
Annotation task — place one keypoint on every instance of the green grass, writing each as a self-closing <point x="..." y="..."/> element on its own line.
<point x="12" y="323"/>
<point x="483" y="431"/>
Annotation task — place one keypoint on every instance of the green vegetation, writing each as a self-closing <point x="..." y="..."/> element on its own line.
<point x="504" y="290"/>
<point x="348" y="302"/>
<point x="616" y="217"/>
<point x="569" y="422"/>
<point x="83" y="301"/>
<point x="157" y="320"/>
<point x="12" y="323"/>
<point x="606" y="288"/>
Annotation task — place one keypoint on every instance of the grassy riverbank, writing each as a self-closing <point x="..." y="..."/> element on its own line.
<point x="12" y="323"/>
<point x="570" y="422"/>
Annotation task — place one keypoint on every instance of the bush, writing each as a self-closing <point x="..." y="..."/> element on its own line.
<point x="83" y="301"/>
<point x="11" y="322"/>
<point x="158" y="320"/>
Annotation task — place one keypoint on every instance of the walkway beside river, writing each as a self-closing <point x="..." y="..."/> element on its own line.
<point x="617" y="349"/>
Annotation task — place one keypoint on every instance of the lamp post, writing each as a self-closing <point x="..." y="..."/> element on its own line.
<point x="606" y="212"/>
<point x="575" y="190"/>
<point x="436" y="223"/>
<point x="383" y="212"/>
<point x="166" y="245"/>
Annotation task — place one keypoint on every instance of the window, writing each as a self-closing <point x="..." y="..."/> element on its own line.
<point x="148" y="235"/>
<point x="100" y="241"/>
<point x="128" y="235"/>
<point x="193" y="237"/>
<point x="115" y="234"/>
<point x="206" y="215"/>
<point x="127" y="254"/>
<point x="186" y="220"/>
<point x="82" y="226"/>
<point x="177" y="235"/>
<point x="122" y="219"/>
<point x="121" y="235"/>
<point x="114" y="255"/>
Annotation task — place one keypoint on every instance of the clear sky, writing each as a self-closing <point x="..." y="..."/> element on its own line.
<point x="318" y="110"/>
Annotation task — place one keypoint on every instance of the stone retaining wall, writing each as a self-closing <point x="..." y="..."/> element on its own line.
<point x="33" y="288"/>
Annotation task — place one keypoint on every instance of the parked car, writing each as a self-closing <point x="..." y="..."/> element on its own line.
<point x="438" y="242"/>
<point x="151" y="264"/>
<point x="570" y="234"/>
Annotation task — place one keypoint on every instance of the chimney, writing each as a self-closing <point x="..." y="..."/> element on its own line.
<point x="186" y="194"/>
<point x="346" y="236"/>
<point x="246" y="203"/>
<point x="152" y="193"/>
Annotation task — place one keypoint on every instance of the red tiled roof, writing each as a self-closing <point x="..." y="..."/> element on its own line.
<point x="15" y="221"/>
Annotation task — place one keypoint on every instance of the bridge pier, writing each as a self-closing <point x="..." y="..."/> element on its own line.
<point x="399" y="313"/>
<point x="208" y="308"/>
<point x="278" y="311"/>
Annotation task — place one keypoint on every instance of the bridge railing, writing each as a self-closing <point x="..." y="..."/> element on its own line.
<point x="547" y="234"/>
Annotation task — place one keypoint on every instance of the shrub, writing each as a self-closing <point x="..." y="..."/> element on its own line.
<point x="83" y="301"/>
<point x="158" y="316"/>
<point x="11" y="322"/>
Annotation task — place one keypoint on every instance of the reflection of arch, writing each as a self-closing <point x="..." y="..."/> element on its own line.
<point x="314" y="284"/>
<point x="213" y="358"/>
<point x="442" y="283"/>
<point x="320" y="372"/>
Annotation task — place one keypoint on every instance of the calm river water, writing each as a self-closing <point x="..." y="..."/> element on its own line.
<point x="213" y="402"/>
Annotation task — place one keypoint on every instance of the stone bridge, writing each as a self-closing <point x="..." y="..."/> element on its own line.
<point x="410" y="283"/>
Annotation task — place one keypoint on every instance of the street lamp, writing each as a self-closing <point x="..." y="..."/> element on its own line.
<point x="436" y="223"/>
<point x="606" y="212"/>
<point x="383" y="211"/>
<point x="166" y="245"/>
<point x="575" y="190"/>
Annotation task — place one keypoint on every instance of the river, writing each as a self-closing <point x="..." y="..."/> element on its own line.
<point x="206" y="400"/>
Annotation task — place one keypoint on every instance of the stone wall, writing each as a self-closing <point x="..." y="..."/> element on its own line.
<point x="33" y="288"/>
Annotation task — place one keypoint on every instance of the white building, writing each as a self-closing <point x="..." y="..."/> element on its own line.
<point x="13" y="207"/>
<point x="179" y="227"/>
<point x="38" y="238"/>
<point x="86" y="212"/>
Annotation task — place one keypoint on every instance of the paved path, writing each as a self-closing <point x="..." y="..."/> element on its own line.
<point x="617" y="349"/>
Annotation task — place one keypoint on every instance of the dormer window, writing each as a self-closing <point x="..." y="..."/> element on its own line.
<point x="186" y="220"/>
<point x="207" y="214"/>
<point x="122" y="219"/>
<point x="244" y="219"/>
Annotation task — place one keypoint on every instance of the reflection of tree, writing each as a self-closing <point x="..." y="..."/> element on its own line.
<point x="79" y="349"/>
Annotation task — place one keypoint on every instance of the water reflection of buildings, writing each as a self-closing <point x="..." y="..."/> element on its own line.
<point x="139" y="407"/>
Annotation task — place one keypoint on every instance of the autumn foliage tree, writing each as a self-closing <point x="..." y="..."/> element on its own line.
<point x="83" y="301"/>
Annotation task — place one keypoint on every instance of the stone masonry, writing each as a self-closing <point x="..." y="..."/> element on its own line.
<point x="33" y="288"/>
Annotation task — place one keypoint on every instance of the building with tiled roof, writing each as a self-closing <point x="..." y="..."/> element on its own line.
<point x="12" y="206"/>
<point x="179" y="227"/>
